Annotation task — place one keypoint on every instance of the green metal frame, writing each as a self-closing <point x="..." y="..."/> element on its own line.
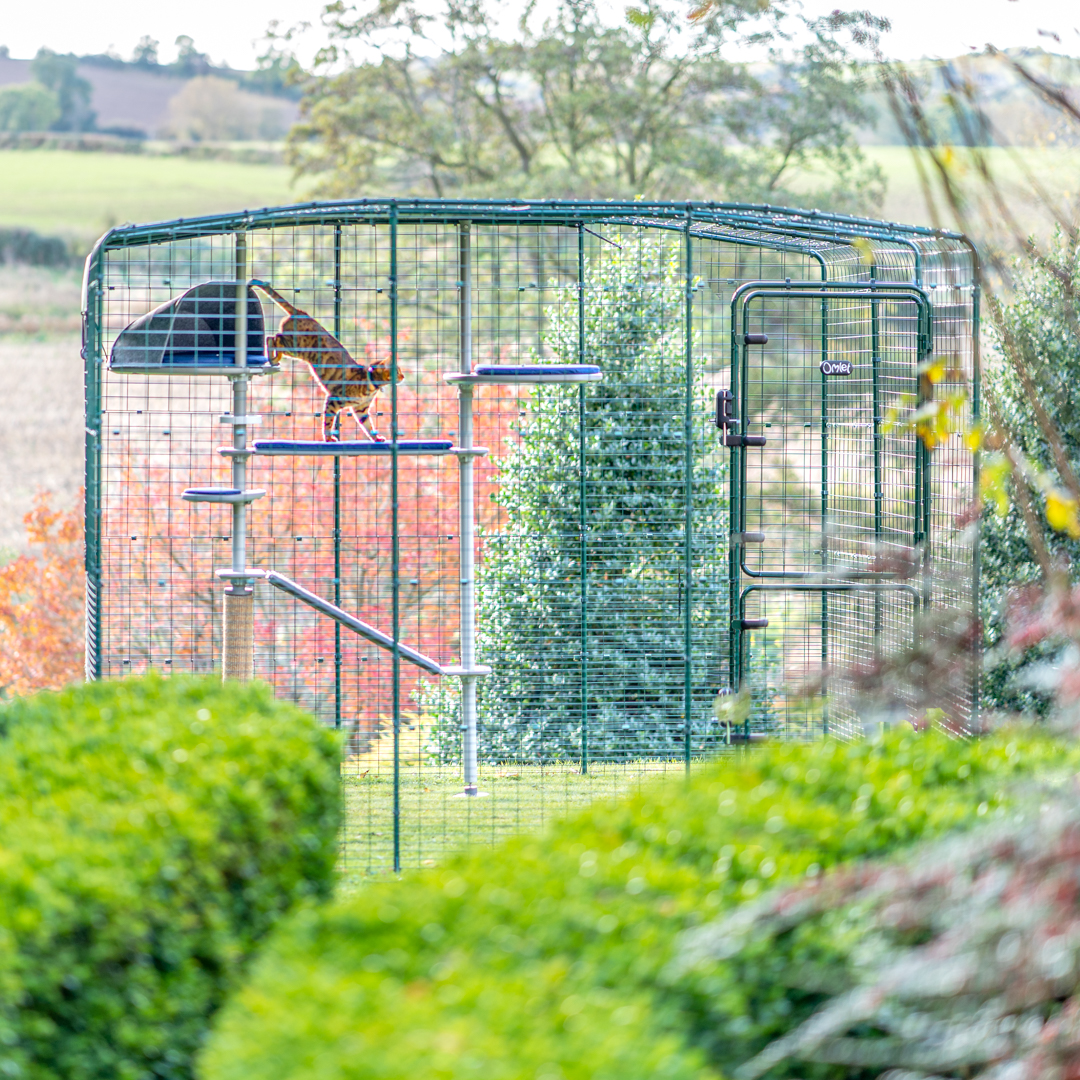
<point x="908" y="262"/>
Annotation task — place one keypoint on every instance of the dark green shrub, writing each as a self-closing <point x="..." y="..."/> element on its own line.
<point x="151" y="831"/>
<point x="547" y="957"/>
<point x="32" y="249"/>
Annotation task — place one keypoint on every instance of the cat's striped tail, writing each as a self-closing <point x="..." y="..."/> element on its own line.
<point x="266" y="287"/>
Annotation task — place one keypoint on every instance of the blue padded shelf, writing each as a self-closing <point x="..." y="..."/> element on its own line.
<point x="308" y="448"/>
<point x="222" y="495"/>
<point x="489" y="374"/>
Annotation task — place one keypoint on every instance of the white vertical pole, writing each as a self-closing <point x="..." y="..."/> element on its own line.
<point x="238" y="652"/>
<point x="239" y="406"/>
<point x="466" y="515"/>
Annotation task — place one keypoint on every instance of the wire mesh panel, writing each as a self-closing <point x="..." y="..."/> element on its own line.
<point x="532" y="565"/>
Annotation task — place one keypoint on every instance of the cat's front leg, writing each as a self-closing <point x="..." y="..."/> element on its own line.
<point x="274" y="349"/>
<point x="363" y="420"/>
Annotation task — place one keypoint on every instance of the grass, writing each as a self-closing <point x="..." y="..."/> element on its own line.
<point x="41" y="406"/>
<point x="437" y="819"/>
<point x="1057" y="169"/>
<point x="80" y="195"/>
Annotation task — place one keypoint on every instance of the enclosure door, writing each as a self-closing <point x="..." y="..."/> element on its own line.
<point x="828" y="497"/>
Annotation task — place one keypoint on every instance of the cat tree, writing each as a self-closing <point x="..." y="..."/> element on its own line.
<point x="239" y="367"/>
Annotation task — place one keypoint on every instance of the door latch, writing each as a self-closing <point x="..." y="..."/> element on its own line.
<point x="725" y="400"/>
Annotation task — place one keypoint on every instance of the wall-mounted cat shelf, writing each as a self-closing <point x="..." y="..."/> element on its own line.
<point x="308" y="448"/>
<point x="505" y="374"/>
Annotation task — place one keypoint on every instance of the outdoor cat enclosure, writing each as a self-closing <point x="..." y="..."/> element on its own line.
<point x="643" y="455"/>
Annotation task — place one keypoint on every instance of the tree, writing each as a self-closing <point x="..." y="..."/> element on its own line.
<point x="529" y="588"/>
<point x="59" y="73"/>
<point x="146" y="52"/>
<point x="28" y="107"/>
<point x="189" y="61"/>
<point x="41" y="605"/>
<point x="210" y="107"/>
<point x="578" y="104"/>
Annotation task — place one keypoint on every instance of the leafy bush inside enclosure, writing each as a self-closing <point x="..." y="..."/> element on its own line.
<point x="550" y="957"/>
<point x="152" y="831"/>
<point x="626" y="451"/>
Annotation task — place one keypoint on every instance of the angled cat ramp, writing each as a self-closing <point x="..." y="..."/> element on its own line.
<point x="192" y="334"/>
<point x="357" y="626"/>
<point x="506" y="374"/>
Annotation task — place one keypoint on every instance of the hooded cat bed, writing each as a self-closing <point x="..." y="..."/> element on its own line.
<point x="193" y="334"/>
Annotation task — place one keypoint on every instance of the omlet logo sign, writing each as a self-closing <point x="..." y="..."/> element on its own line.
<point x="835" y="367"/>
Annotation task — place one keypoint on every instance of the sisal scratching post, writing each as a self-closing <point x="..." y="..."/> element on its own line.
<point x="238" y="660"/>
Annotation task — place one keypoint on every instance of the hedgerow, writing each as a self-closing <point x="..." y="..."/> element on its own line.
<point x="151" y="832"/>
<point x="549" y="958"/>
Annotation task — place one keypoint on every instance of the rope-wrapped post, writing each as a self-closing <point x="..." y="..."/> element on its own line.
<point x="238" y="653"/>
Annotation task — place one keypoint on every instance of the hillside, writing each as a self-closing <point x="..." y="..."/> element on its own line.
<point x="127" y="96"/>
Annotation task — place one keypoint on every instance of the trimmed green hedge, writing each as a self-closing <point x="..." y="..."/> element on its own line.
<point x="151" y="832"/>
<point x="544" y="959"/>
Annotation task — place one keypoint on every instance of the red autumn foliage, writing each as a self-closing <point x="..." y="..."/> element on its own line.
<point x="41" y="604"/>
<point x="162" y="602"/>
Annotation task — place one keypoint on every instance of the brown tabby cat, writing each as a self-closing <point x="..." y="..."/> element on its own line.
<point x="349" y="386"/>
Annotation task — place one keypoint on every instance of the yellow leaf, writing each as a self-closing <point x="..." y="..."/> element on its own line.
<point x="1061" y="513"/>
<point x="973" y="440"/>
<point x="865" y="249"/>
<point x="995" y="472"/>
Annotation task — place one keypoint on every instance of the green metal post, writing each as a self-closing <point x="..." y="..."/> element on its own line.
<point x="735" y="525"/>
<point x="92" y="293"/>
<point x="337" y="493"/>
<point x="879" y="494"/>
<point x="976" y="415"/>
<point x="395" y="531"/>
<point x="688" y="501"/>
<point x="824" y="510"/>
<point x="581" y="513"/>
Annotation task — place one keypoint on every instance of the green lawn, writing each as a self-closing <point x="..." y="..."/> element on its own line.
<point x="436" y="819"/>
<point x="80" y="195"/>
<point x="1057" y="169"/>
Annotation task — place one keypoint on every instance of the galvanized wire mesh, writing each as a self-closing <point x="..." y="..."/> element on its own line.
<point x="624" y="553"/>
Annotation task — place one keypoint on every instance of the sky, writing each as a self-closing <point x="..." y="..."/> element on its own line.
<point x="233" y="32"/>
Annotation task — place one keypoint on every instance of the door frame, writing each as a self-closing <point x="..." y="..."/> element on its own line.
<point x="741" y="342"/>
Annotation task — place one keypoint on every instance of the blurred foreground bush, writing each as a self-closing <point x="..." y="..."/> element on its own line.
<point x="554" y="958"/>
<point x="960" y="960"/>
<point x="151" y="831"/>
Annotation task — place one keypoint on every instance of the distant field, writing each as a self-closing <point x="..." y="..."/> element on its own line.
<point x="1058" y="170"/>
<point x="80" y="195"/>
